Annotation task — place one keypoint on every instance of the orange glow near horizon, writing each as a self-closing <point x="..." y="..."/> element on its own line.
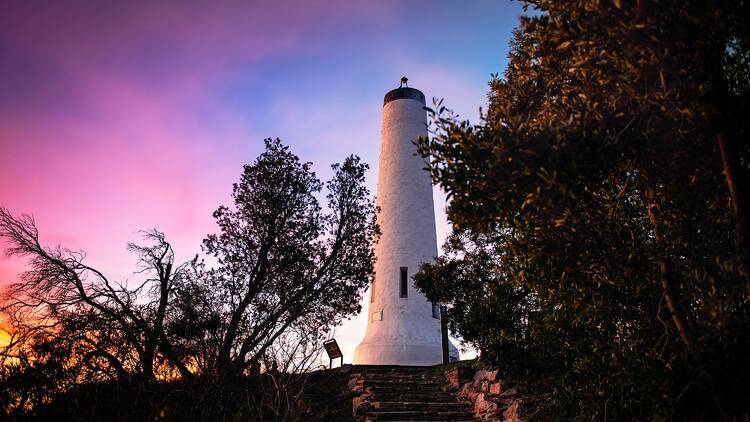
<point x="4" y="337"/>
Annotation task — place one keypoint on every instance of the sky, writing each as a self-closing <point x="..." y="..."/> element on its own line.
<point x="121" y="116"/>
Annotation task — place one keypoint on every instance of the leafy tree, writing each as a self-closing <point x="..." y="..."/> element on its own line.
<point x="605" y="178"/>
<point x="282" y="261"/>
<point x="488" y="313"/>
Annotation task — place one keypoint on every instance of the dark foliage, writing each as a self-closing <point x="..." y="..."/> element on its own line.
<point x="319" y="396"/>
<point x="601" y="210"/>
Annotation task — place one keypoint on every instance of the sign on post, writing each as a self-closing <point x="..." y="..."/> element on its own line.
<point x="332" y="348"/>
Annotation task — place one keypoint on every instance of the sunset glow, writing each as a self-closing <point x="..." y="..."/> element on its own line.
<point x="125" y="116"/>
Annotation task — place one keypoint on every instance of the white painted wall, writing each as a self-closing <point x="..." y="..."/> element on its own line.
<point x="407" y="333"/>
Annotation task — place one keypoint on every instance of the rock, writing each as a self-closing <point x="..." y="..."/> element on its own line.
<point x="483" y="406"/>
<point x="511" y="414"/>
<point x="467" y="392"/>
<point x="356" y="384"/>
<point x="361" y="405"/>
<point x="457" y="376"/>
<point x="488" y="396"/>
<point x="495" y="388"/>
<point x="452" y="378"/>
<point x="484" y="375"/>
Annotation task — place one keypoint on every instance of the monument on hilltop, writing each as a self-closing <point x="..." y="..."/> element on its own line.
<point x="403" y="327"/>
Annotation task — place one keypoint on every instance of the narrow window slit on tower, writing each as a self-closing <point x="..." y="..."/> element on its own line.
<point x="404" y="282"/>
<point x="435" y="310"/>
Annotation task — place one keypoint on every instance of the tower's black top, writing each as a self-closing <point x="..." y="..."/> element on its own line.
<point x="404" y="92"/>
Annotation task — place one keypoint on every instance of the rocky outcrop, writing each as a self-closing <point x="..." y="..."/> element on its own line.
<point x="491" y="400"/>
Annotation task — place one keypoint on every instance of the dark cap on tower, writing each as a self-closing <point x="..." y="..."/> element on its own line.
<point x="403" y="91"/>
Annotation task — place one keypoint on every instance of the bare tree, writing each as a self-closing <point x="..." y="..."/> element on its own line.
<point x="116" y="330"/>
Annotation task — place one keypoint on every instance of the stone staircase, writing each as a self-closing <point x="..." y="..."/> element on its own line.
<point x="410" y="393"/>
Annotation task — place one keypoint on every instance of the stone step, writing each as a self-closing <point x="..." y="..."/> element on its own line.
<point x="390" y="381"/>
<point x="408" y="395"/>
<point x="391" y="374"/>
<point x="407" y="415"/>
<point x="410" y="385"/>
<point x="368" y="378"/>
<point x="414" y="397"/>
<point x="405" y="388"/>
<point x="401" y="377"/>
<point x="386" y="368"/>
<point x="401" y="393"/>
<point x="422" y="405"/>
<point x="426" y="377"/>
<point x="397" y="373"/>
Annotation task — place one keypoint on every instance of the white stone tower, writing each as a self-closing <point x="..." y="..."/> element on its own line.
<point x="403" y="326"/>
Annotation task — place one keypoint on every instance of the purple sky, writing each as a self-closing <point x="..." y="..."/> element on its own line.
<point x="120" y="116"/>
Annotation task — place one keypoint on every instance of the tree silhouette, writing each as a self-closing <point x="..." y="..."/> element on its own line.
<point x="285" y="272"/>
<point x="603" y="181"/>
<point x="111" y="327"/>
<point x="284" y="262"/>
